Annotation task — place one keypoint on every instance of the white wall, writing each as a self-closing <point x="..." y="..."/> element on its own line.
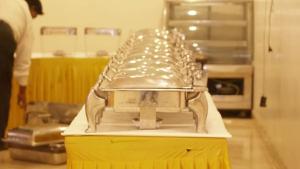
<point x="281" y="118"/>
<point x="128" y="15"/>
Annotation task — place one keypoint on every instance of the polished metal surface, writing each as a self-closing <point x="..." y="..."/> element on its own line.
<point x="152" y="72"/>
<point x="102" y="31"/>
<point x="36" y="135"/>
<point x="38" y="113"/>
<point x="149" y="61"/>
<point x="48" y="30"/>
<point x="40" y="139"/>
<point x="47" y="157"/>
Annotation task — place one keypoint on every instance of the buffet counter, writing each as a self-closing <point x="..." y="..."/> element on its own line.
<point x="62" y="80"/>
<point x="126" y="147"/>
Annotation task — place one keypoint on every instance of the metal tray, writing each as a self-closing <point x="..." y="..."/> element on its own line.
<point x="36" y="135"/>
<point x="41" y="156"/>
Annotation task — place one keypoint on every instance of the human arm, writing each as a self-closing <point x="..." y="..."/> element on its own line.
<point x="23" y="60"/>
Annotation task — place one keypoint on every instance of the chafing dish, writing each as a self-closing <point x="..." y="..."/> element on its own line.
<point x="152" y="72"/>
<point x="47" y="112"/>
<point x="40" y="143"/>
<point x="36" y="135"/>
<point x="50" y="154"/>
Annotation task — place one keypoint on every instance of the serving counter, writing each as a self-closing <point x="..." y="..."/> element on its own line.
<point x="62" y="80"/>
<point x="126" y="147"/>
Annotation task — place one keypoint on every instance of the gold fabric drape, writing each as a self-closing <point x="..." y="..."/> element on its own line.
<point x="116" y="152"/>
<point x="61" y="80"/>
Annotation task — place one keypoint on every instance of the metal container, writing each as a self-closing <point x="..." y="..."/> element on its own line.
<point x="152" y="72"/>
<point x="36" y="135"/>
<point x="50" y="154"/>
<point x="38" y="113"/>
<point x="38" y="143"/>
<point x="40" y="140"/>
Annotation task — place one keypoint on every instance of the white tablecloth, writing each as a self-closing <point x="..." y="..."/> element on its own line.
<point x="214" y="126"/>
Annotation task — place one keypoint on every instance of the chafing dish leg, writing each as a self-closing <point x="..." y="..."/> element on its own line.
<point x="198" y="105"/>
<point x="94" y="108"/>
<point x="148" y="105"/>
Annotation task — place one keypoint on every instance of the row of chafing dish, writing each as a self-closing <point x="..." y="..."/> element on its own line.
<point x="153" y="72"/>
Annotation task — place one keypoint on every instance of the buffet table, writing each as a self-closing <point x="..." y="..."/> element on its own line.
<point x="62" y="80"/>
<point x="129" y="148"/>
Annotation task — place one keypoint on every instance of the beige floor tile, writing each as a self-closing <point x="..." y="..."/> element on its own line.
<point x="247" y="150"/>
<point x="7" y="163"/>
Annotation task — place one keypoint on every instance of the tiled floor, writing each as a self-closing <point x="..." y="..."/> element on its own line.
<point x="7" y="163"/>
<point x="246" y="148"/>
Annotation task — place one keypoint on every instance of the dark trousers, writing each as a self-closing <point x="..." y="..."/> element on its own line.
<point x="7" y="49"/>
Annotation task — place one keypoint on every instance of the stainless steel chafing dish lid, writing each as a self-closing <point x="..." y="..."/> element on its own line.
<point x="152" y="67"/>
<point x="147" y="75"/>
<point x="36" y="135"/>
<point x="147" y="65"/>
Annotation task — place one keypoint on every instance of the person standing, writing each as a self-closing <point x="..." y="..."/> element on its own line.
<point x="16" y="39"/>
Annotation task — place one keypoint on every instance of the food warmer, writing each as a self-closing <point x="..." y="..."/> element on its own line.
<point x="152" y="73"/>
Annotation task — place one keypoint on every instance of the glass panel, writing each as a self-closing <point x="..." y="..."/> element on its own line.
<point x="179" y="12"/>
<point x="221" y="27"/>
<point x="228" y="86"/>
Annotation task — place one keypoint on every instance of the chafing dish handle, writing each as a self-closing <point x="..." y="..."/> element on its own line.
<point x="198" y="105"/>
<point x="94" y="108"/>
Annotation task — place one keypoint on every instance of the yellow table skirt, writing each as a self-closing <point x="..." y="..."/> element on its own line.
<point x="116" y="152"/>
<point x="61" y="80"/>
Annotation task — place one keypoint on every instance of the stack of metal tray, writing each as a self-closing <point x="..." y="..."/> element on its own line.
<point x="43" y="143"/>
<point x="40" y="140"/>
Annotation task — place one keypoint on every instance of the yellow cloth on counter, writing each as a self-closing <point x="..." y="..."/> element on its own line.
<point x="61" y="80"/>
<point x="117" y="152"/>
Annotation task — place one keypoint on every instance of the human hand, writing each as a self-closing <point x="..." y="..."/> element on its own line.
<point x="22" y="97"/>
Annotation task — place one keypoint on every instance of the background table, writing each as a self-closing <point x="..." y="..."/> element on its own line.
<point x="61" y="80"/>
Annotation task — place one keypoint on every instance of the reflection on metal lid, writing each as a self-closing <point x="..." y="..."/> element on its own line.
<point x="192" y="13"/>
<point x="150" y="59"/>
<point x="193" y="28"/>
<point x="195" y="45"/>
